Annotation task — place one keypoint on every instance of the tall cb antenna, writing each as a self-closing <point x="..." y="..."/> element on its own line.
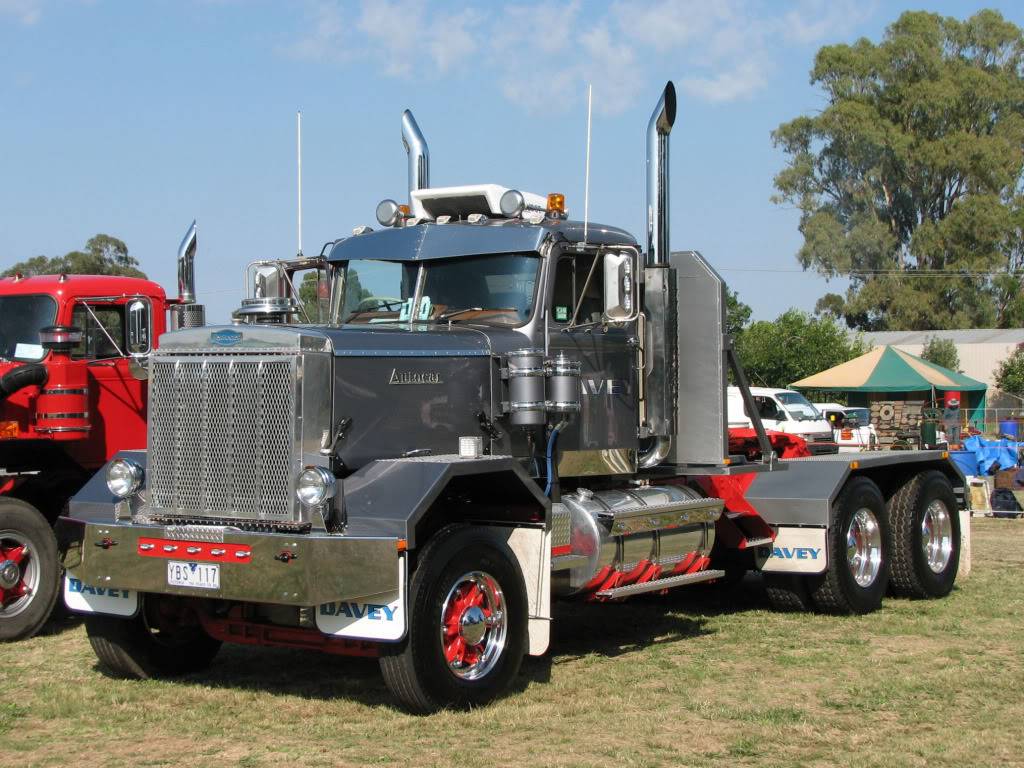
<point x="586" y="183"/>
<point x="298" y="151"/>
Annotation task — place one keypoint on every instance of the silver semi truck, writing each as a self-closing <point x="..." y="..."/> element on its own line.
<point x="498" y="407"/>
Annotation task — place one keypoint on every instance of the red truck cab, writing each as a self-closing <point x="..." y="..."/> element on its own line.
<point x="72" y="393"/>
<point x="91" y="403"/>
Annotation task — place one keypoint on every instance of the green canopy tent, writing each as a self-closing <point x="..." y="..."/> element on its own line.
<point x="892" y="374"/>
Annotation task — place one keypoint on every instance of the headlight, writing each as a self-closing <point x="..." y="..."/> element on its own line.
<point x="314" y="486"/>
<point x="124" y="478"/>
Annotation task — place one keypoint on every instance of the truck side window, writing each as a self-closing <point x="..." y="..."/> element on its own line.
<point x="766" y="408"/>
<point x="570" y="278"/>
<point x="95" y="345"/>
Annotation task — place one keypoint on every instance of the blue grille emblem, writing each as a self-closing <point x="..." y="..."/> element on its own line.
<point x="225" y="338"/>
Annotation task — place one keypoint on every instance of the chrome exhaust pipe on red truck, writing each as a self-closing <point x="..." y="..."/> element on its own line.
<point x="186" y="313"/>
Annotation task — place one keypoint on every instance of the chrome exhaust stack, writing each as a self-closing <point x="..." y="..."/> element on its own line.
<point x="659" y="407"/>
<point x="658" y="130"/>
<point x="186" y="313"/>
<point x="419" y="155"/>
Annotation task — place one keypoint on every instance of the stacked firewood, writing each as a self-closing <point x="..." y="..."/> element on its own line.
<point x="892" y="417"/>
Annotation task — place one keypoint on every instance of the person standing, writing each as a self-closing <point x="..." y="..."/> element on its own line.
<point x="951" y="420"/>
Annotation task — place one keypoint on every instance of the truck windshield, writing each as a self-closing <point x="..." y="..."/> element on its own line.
<point x="798" y="406"/>
<point x="494" y="289"/>
<point x="21" y="317"/>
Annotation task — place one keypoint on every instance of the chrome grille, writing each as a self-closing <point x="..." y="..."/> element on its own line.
<point x="222" y="437"/>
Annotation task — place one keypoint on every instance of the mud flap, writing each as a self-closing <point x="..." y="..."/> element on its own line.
<point x="795" y="550"/>
<point x="86" y="598"/>
<point x="532" y="548"/>
<point x="376" y="617"/>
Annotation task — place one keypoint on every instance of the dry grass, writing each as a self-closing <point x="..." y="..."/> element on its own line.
<point x="692" y="679"/>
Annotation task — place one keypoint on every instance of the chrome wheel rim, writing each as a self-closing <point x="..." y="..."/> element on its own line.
<point x="864" y="547"/>
<point x="474" y="625"/>
<point x="937" y="536"/>
<point x="19" y="573"/>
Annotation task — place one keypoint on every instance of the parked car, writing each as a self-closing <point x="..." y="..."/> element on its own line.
<point x="784" y="410"/>
<point x="851" y="427"/>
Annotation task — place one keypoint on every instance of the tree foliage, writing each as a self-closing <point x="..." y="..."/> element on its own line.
<point x="775" y="354"/>
<point x="909" y="180"/>
<point x="737" y="314"/>
<point x="103" y="255"/>
<point x="942" y="352"/>
<point x="1010" y="373"/>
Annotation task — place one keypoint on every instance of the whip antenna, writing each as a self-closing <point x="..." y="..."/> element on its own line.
<point x="586" y="183"/>
<point x="298" y="151"/>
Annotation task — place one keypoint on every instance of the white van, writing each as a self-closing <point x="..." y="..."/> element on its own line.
<point x="784" y="410"/>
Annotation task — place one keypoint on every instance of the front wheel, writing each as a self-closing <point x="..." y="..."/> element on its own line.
<point x="29" y="570"/>
<point x="926" y="536"/>
<point x="159" y="641"/>
<point x="859" y="543"/>
<point x="467" y="624"/>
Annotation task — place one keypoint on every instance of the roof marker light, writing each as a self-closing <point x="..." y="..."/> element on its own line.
<point x="556" y="204"/>
<point x="362" y="230"/>
<point x="476" y="218"/>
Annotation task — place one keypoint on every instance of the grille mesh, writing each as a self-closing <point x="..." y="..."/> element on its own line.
<point x="221" y="437"/>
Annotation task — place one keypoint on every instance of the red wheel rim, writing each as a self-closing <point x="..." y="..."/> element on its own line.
<point x="19" y="574"/>
<point x="474" y="625"/>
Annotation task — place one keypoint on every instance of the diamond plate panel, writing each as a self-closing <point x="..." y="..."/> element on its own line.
<point x="222" y="437"/>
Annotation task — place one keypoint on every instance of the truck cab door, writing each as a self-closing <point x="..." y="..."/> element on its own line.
<point x="117" y="399"/>
<point x="604" y="434"/>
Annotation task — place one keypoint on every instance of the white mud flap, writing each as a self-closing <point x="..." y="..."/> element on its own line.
<point x="375" y="617"/>
<point x="795" y="550"/>
<point x="532" y="548"/>
<point x="87" y="598"/>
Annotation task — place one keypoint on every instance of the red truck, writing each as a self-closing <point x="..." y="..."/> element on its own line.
<point x="72" y="394"/>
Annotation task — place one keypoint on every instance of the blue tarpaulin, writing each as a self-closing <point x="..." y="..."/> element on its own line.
<point x="991" y="452"/>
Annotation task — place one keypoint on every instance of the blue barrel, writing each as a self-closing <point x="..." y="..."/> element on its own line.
<point x="1008" y="428"/>
<point x="966" y="460"/>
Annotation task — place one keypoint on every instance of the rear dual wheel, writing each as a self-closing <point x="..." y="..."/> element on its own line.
<point x="926" y="536"/>
<point x="859" y="549"/>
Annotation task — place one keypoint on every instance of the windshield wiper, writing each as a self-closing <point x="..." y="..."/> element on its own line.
<point x="456" y="312"/>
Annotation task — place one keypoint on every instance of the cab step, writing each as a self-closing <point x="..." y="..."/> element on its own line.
<point x="659" y="584"/>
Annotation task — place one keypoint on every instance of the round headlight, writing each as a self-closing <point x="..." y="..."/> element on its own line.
<point x="314" y="486"/>
<point x="388" y="213"/>
<point x="124" y="478"/>
<point x="512" y="203"/>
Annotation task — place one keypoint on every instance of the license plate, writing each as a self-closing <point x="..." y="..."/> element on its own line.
<point x="202" y="575"/>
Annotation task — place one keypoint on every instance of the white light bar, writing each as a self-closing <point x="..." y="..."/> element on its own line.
<point x="460" y="202"/>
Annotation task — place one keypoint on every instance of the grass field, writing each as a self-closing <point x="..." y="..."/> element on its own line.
<point x="692" y="679"/>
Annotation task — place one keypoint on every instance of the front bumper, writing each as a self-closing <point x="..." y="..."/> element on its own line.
<point x="280" y="568"/>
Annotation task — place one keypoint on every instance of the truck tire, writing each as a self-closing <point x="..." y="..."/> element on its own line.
<point x="29" y="570"/>
<point x="787" y="592"/>
<point x="137" y="648"/>
<point x="467" y="624"/>
<point x="859" y="543"/>
<point x="926" y="536"/>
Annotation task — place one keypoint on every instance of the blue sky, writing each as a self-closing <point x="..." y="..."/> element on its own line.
<point x="133" y="118"/>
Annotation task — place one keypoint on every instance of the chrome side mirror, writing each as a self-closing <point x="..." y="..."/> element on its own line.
<point x="138" y="322"/>
<point x="621" y="304"/>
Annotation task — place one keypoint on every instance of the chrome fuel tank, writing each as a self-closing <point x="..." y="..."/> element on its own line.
<point x="621" y="529"/>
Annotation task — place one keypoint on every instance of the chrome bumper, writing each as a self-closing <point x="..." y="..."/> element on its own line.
<point x="285" y="569"/>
